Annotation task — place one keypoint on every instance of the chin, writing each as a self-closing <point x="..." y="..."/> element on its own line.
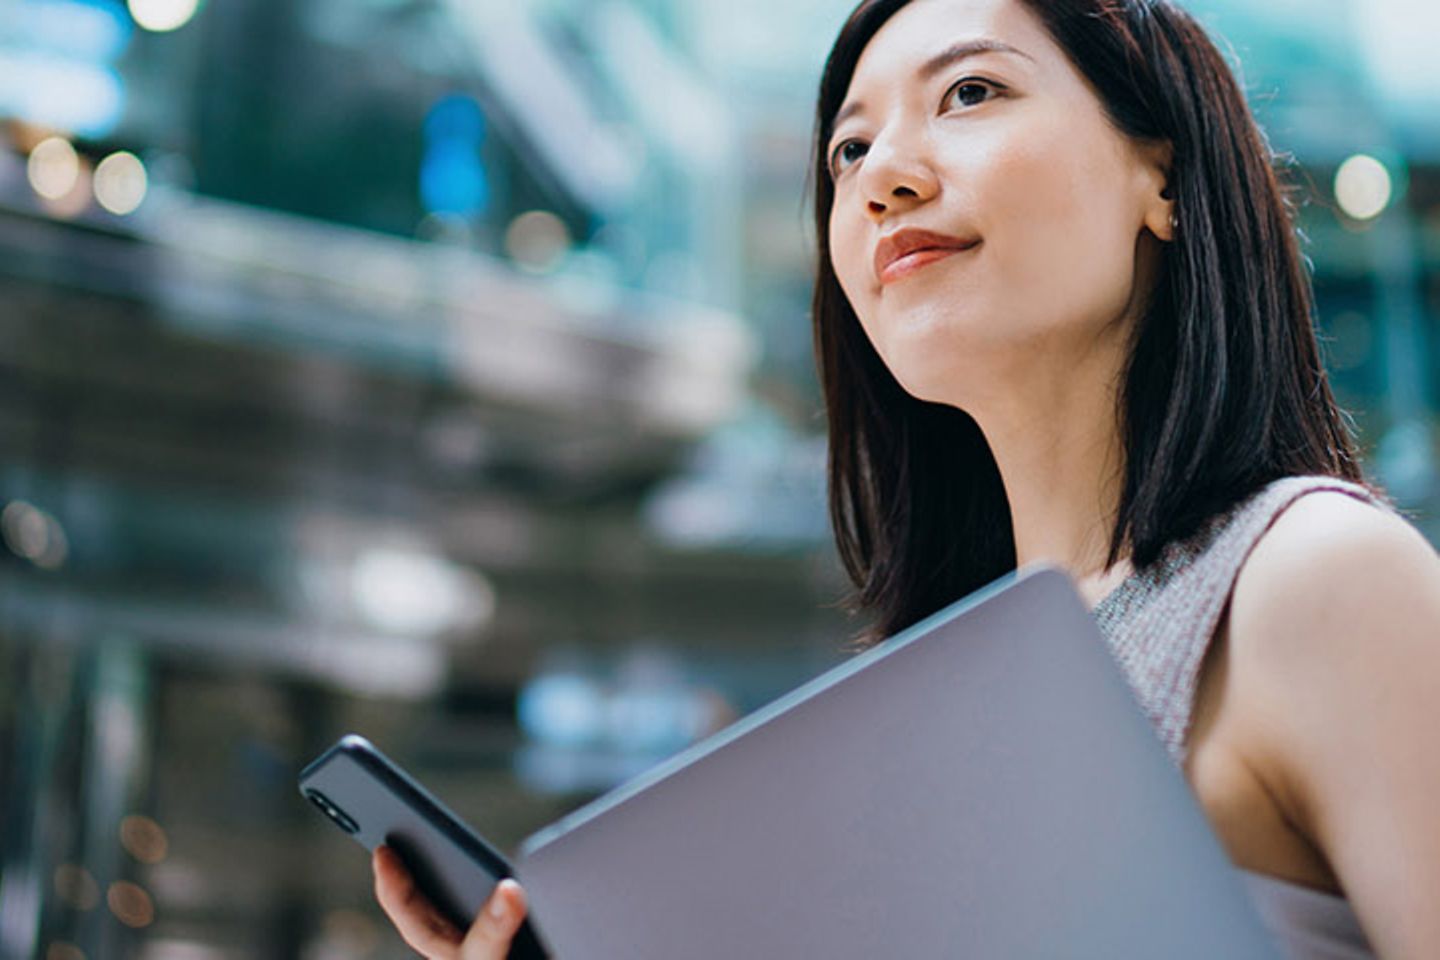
<point x="928" y="377"/>
<point x="934" y="364"/>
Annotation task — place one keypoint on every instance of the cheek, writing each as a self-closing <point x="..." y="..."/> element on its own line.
<point x="852" y="260"/>
<point x="848" y="257"/>
<point x="1064" y="229"/>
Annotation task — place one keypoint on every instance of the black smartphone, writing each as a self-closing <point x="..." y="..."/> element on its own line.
<point x="365" y="794"/>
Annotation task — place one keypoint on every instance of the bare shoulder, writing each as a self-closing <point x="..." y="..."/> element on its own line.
<point x="1334" y="642"/>
<point x="1335" y="586"/>
<point x="1330" y="555"/>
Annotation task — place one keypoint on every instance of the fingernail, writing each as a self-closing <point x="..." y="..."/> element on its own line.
<point x="498" y="908"/>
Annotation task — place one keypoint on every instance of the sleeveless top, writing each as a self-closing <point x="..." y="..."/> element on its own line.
<point x="1159" y="623"/>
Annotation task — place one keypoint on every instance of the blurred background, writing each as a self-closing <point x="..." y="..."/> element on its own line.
<point x="440" y="370"/>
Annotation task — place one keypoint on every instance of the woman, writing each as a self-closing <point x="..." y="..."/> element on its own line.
<point x="1061" y="316"/>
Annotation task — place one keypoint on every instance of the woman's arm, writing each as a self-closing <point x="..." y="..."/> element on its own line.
<point x="1335" y="621"/>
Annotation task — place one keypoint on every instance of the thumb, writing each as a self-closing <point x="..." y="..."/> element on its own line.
<point x="490" y="935"/>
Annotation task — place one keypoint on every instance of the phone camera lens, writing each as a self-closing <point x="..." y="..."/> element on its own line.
<point x="340" y="817"/>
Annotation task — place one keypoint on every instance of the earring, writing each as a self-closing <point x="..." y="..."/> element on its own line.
<point x="1174" y="222"/>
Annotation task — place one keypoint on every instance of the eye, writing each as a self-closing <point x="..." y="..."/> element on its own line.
<point x="845" y="154"/>
<point x="970" y="92"/>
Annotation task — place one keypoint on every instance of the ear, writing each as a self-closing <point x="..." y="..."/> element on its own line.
<point x="1158" y="206"/>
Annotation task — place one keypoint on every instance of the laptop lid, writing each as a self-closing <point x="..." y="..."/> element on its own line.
<point x="981" y="785"/>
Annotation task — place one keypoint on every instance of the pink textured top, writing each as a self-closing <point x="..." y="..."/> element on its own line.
<point x="1159" y="624"/>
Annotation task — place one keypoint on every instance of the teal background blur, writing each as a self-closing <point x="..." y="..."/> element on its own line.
<point x="440" y="370"/>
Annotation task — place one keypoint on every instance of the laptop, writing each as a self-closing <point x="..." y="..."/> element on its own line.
<point x="981" y="785"/>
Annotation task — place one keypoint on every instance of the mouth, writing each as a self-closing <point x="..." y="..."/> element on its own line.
<point x="909" y="251"/>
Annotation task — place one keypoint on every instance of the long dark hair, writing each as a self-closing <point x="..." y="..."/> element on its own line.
<point x="1224" y="389"/>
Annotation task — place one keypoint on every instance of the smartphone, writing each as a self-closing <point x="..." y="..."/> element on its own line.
<point x="366" y="795"/>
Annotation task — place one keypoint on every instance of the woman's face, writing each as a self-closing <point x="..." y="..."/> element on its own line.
<point x="986" y="213"/>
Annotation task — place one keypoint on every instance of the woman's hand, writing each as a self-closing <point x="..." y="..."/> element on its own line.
<point x="435" y="937"/>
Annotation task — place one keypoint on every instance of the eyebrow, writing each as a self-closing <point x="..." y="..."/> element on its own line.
<point x="945" y="58"/>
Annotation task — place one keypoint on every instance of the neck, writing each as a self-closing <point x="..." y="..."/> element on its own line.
<point x="1054" y="430"/>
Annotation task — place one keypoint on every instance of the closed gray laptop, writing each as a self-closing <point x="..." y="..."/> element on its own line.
<point x="982" y="785"/>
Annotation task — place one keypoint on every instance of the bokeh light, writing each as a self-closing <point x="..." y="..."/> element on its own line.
<point x="413" y="592"/>
<point x="537" y="240"/>
<point x="1363" y="187"/>
<point x="161" y="16"/>
<point x="32" y="533"/>
<point x="121" y="183"/>
<point x="76" y="888"/>
<point x="53" y="168"/>
<point x="144" y="839"/>
<point x="130" y="903"/>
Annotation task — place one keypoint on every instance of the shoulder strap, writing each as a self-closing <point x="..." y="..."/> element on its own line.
<point x="1161" y="644"/>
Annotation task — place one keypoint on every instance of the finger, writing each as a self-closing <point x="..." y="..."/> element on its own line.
<point x="422" y="926"/>
<point x="489" y="937"/>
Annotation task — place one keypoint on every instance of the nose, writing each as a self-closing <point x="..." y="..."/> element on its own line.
<point x="895" y="177"/>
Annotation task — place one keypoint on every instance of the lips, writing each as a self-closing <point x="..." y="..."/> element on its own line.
<point x="903" y="252"/>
